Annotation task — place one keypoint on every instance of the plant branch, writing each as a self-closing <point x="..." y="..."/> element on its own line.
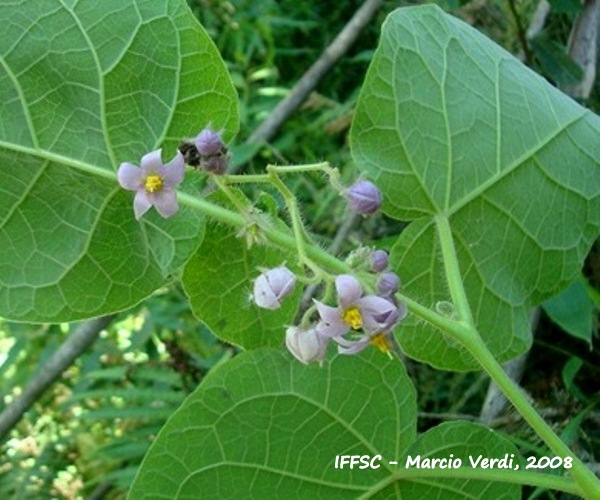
<point x="587" y="481"/>
<point x="475" y="474"/>
<point x="521" y="33"/>
<point x="85" y="334"/>
<point x="315" y="73"/>
<point x="466" y="333"/>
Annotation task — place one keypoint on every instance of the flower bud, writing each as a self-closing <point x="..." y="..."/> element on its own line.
<point x="379" y="261"/>
<point x="364" y="197"/>
<point x="208" y="142"/>
<point x="306" y="345"/>
<point x="217" y="164"/>
<point x="272" y="286"/>
<point x="388" y="284"/>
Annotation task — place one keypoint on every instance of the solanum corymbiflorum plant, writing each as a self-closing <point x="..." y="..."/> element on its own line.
<point x="116" y="124"/>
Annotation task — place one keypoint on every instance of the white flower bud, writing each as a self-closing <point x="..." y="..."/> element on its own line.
<point x="272" y="286"/>
<point x="306" y="345"/>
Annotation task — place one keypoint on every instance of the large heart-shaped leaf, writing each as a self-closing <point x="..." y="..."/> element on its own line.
<point x="453" y="128"/>
<point x="465" y="446"/>
<point x="266" y="426"/>
<point x="85" y="86"/>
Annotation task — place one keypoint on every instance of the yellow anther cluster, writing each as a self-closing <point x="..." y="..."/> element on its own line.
<point x="153" y="183"/>
<point x="353" y="318"/>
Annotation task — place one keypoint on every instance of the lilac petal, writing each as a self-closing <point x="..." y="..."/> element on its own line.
<point x="282" y="281"/>
<point x="172" y="173"/>
<point x="348" y="290"/>
<point x="130" y="177"/>
<point x="306" y="345"/>
<point x="354" y="348"/>
<point x="141" y="203"/>
<point x="402" y="311"/>
<point x="331" y="324"/>
<point x="374" y="311"/>
<point x="165" y="202"/>
<point x="263" y="294"/>
<point x="151" y="162"/>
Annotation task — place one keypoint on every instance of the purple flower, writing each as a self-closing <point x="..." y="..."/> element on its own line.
<point x="381" y="338"/>
<point x="272" y="286"/>
<point x="208" y="142"/>
<point x="364" y="197"/>
<point x="388" y="284"/>
<point x="379" y="261"/>
<point x="306" y="345"/>
<point x="153" y="183"/>
<point x="354" y="312"/>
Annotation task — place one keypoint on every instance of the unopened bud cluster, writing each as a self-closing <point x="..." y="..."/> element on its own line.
<point x="357" y="321"/>
<point x="206" y="152"/>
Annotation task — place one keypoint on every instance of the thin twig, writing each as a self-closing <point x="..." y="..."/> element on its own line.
<point x="521" y="33"/>
<point x="583" y="48"/>
<point x="311" y="78"/>
<point x="65" y="355"/>
<point x="333" y="248"/>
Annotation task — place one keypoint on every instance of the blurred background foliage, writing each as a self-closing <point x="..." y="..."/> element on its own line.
<point x="87" y="435"/>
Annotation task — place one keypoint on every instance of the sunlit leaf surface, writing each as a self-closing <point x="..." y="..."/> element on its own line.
<point x="452" y="127"/>
<point x="85" y="86"/>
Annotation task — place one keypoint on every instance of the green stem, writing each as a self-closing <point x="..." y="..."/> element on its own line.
<point x="300" y="233"/>
<point x="426" y="476"/>
<point x="466" y="333"/>
<point x="457" y="290"/>
<point x="586" y="480"/>
<point x="276" y="236"/>
<point x="237" y="203"/>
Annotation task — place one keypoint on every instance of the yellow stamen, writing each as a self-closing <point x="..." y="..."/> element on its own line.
<point x="353" y="318"/>
<point x="381" y="342"/>
<point x="153" y="183"/>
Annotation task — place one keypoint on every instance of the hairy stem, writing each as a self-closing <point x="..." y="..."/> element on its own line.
<point x="470" y="474"/>
<point x="466" y="333"/>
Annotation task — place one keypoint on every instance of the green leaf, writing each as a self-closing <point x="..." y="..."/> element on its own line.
<point x="85" y="86"/>
<point x="566" y="6"/>
<point x="451" y="126"/>
<point x="573" y="311"/>
<point x="266" y="426"/>
<point x="555" y="61"/>
<point x="218" y="281"/>
<point x="466" y="442"/>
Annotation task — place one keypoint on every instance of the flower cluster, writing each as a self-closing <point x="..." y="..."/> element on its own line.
<point x="358" y="320"/>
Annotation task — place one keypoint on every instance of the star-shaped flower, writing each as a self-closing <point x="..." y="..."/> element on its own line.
<point x="354" y="312"/>
<point x="153" y="183"/>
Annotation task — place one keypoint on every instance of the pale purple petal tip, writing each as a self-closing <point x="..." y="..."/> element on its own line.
<point x="348" y="290"/>
<point x="172" y="173"/>
<point x="151" y="162"/>
<point x="165" y="202"/>
<point x="355" y="348"/>
<point x="141" y="203"/>
<point x="130" y="177"/>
